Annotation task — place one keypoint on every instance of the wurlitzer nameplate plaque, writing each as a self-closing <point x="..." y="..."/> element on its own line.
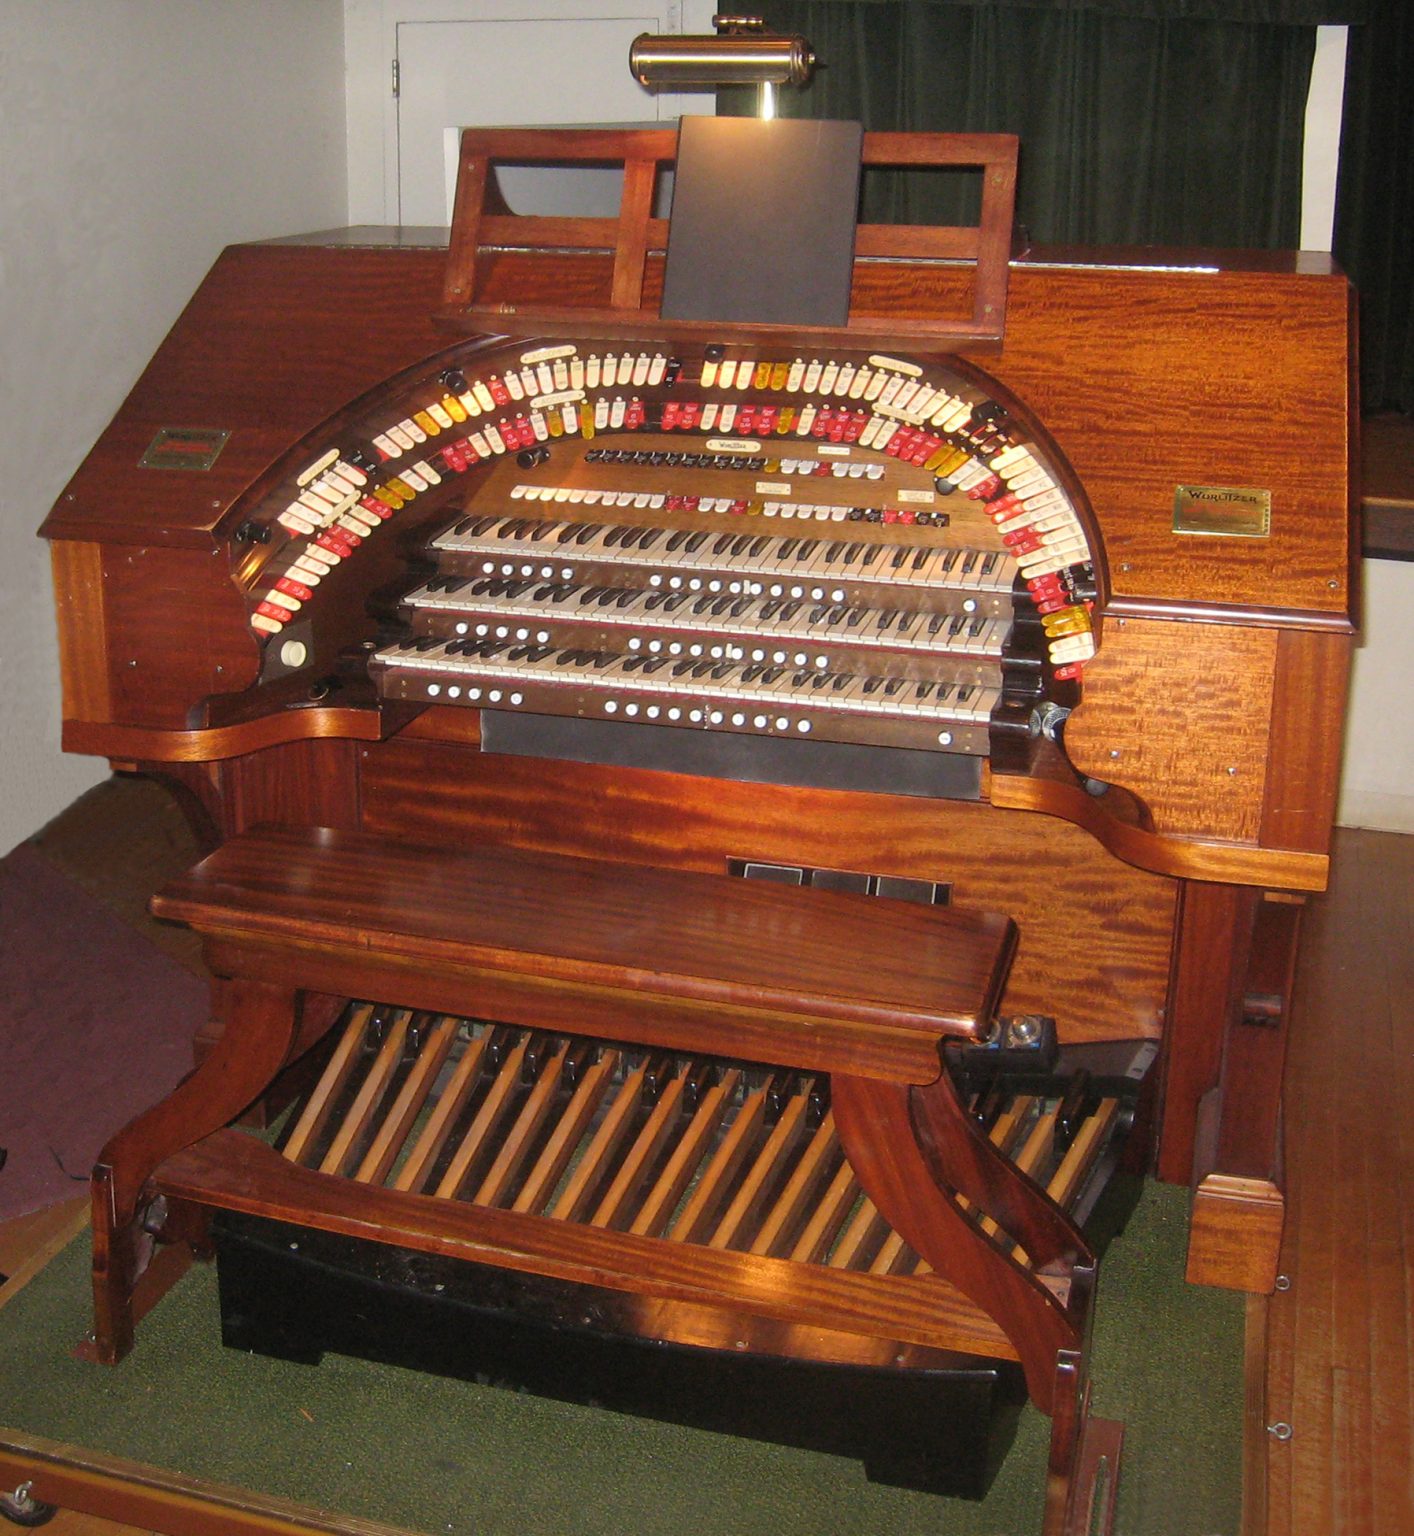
<point x="1222" y="511"/>
<point x="763" y="220"/>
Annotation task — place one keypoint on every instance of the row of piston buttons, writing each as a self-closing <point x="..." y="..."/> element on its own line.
<point x="632" y="710"/>
<point x="697" y="649"/>
<point x="709" y="584"/>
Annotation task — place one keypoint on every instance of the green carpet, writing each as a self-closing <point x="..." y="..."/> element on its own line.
<point x="440" y="1456"/>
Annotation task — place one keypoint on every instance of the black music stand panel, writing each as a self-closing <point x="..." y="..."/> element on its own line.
<point x="763" y="221"/>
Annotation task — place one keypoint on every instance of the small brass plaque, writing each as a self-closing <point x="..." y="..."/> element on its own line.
<point x="1222" y="511"/>
<point x="184" y="448"/>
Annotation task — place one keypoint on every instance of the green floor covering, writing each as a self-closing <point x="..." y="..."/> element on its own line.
<point x="440" y="1456"/>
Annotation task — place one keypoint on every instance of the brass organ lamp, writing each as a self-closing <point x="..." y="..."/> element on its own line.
<point x="740" y="52"/>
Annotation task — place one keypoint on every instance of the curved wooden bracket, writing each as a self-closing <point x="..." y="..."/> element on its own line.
<point x="909" y="1177"/>
<point x="261" y="1027"/>
<point x="1184" y="858"/>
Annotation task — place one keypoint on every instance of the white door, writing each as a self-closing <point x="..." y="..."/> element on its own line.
<point x="511" y="73"/>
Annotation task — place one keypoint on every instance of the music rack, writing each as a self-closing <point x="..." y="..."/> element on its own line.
<point x="638" y="240"/>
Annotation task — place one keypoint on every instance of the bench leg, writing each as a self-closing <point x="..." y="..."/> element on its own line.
<point x="262" y="1025"/>
<point x="908" y="1176"/>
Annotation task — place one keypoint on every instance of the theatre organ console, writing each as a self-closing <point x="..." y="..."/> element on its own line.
<point x="557" y="617"/>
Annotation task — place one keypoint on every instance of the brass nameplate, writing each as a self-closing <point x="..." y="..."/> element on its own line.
<point x="184" y="448"/>
<point x="1224" y="511"/>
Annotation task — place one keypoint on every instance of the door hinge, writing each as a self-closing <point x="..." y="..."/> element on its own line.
<point x="396" y="78"/>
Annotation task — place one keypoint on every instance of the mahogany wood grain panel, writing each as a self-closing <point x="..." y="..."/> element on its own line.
<point x="301" y="784"/>
<point x="672" y="933"/>
<point x="1304" y="747"/>
<point x="83" y="630"/>
<point x="1213" y="933"/>
<point x="1149" y="380"/>
<point x="237" y="1172"/>
<point x="1176" y="713"/>
<point x="1185" y="858"/>
<point x="1235" y="1233"/>
<point x="700" y="1025"/>
<point x="210" y="745"/>
<point x="1094" y="933"/>
<point x="113" y="498"/>
<point x="176" y="632"/>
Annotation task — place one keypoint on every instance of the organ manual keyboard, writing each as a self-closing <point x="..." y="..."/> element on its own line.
<point x="738" y="808"/>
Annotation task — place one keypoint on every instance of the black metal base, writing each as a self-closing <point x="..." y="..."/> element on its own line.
<point x="294" y="1292"/>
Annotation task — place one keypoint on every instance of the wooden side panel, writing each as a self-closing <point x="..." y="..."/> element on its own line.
<point x="299" y="784"/>
<point x="83" y="630"/>
<point x="176" y="632"/>
<point x="1212" y="942"/>
<point x="1150" y="380"/>
<point x="1095" y="933"/>
<point x="1174" y="712"/>
<point x="1304" y="748"/>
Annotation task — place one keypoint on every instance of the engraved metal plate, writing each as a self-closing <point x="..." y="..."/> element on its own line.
<point x="1222" y="511"/>
<point x="184" y="448"/>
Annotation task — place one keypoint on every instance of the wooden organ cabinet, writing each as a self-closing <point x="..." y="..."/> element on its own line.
<point x="1010" y="661"/>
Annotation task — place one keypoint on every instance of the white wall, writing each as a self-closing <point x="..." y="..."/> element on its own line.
<point x="136" y="140"/>
<point x="370" y="41"/>
<point x="1377" y="788"/>
<point x="1377" y="779"/>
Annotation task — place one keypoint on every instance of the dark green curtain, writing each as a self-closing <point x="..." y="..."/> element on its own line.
<point x="1374" y="213"/>
<point x="1174" y="122"/>
<point x="1299" y="13"/>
